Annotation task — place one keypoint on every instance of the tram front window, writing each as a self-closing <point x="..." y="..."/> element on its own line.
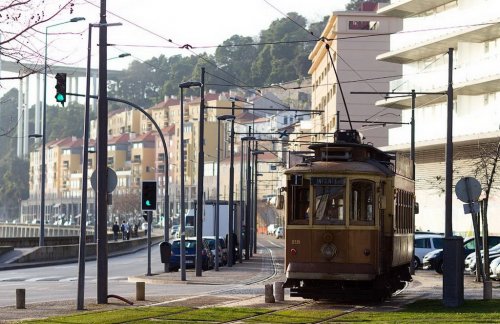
<point x="362" y="202"/>
<point x="329" y="205"/>
<point x="298" y="203"/>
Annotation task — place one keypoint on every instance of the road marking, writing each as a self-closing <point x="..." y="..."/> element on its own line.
<point x="43" y="279"/>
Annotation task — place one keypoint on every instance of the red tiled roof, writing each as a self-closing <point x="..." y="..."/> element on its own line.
<point x="122" y="138"/>
<point x="146" y="137"/>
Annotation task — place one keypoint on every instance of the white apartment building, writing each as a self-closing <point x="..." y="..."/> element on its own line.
<point x="430" y="28"/>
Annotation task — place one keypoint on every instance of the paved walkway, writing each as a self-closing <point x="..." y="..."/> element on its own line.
<point x="257" y="268"/>
<point x="247" y="272"/>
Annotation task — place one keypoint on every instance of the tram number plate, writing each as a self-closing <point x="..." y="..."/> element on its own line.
<point x="295" y="242"/>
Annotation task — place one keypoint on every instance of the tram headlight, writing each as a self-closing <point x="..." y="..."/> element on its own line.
<point x="328" y="250"/>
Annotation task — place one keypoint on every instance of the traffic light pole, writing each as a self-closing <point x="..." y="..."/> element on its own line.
<point x="150" y="218"/>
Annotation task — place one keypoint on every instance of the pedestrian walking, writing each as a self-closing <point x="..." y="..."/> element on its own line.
<point x="124" y="231"/>
<point x="116" y="229"/>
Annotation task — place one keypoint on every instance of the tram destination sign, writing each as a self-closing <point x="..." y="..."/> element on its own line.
<point x="327" y="181"/>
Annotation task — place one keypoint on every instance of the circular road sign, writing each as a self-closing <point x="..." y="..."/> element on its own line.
<point x="112" y="180"/>
<point x="468" y="189"/>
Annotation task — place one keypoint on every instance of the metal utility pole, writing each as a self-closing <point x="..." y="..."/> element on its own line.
<point x="217" y="211"/>
<point x="230" y="239"/>
<point x="247" y="211"/>
<point x="256" y="154"/>
<point x="201" y="165"/>
<point x="453" y="278"/>
<point x="102" y="156"/>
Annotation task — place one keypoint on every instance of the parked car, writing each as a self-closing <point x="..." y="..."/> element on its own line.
<point x="279" y="233"/>
<point x="425" y="243"/>
<point x="495" y="268"/>
<point x="471" y="262"/>
<point x="174" y="230"/>
<point x="210" y="241"/>
<point x="190" y="248"/>
<point x="434" y="259"/>
<point x="271" y="229"/>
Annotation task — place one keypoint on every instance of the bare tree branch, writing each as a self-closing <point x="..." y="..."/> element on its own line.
<point x="19" y="19"/>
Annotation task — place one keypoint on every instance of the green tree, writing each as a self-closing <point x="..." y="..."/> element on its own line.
<point x="14" y="186"/>
<point x="237" y="57"/>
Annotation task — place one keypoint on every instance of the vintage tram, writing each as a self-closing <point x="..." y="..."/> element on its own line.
<point x="349" y="221"/>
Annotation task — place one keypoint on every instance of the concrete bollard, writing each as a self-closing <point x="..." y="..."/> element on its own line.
<point x="20" y="298"/>
<point x="268" y="293"/>
<point x="487" y="290"/>
<point x="279" y="291"/>
<point x="140" y="290"/>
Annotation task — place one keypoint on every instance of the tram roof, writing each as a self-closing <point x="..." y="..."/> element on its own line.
<point x="341" y="167"/>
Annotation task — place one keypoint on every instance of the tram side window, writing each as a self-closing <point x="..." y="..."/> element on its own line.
<point x="404" y="202"/>
<point x="298" y="203"/>
<point x="362" y="202"/>
<point x="329" y="205"/>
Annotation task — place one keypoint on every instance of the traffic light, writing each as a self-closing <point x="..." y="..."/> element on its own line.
<point x="149" y="195"/>
<point x="61" y="88"/>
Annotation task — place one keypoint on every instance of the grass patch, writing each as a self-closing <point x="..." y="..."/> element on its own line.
<point x="425" y="311"/>
<point x="216" y="314"/>
<point x="433" y="311"/>
<point x="295" y="316"/>
<point x="114" y="316"/>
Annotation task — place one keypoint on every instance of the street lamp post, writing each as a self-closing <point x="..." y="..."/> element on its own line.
<point x="247" y="202"/>
<point x="230" y="239"/>
<point x="44" y="135"/>
<point x="255" y="154"/>
<point x="185" y="85"/>
<point x="219" y="118"/>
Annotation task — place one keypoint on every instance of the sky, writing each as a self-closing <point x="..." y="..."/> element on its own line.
<point x="147" y="25"/>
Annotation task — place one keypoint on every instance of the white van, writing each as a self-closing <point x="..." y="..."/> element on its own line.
<point x="189" y="230"/>
<point x="271" y="228"/>
<point x="425" y="243"/>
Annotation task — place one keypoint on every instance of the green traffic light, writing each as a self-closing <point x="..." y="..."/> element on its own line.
<point x="148" y="203"/>
<point x="60" y="97"/>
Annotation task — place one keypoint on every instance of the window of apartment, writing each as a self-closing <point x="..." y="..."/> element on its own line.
<point x="363" y="25"/>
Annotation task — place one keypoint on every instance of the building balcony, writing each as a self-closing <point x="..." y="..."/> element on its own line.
<point x="415" y="51"/>
<point x="474" y="118"/>
<point x="475" y="79"/>
<point x="406" y="8"/>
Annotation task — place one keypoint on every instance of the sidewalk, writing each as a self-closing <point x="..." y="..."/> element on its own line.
<point x="247" y="272"/>
<point x="9" y="260"/>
